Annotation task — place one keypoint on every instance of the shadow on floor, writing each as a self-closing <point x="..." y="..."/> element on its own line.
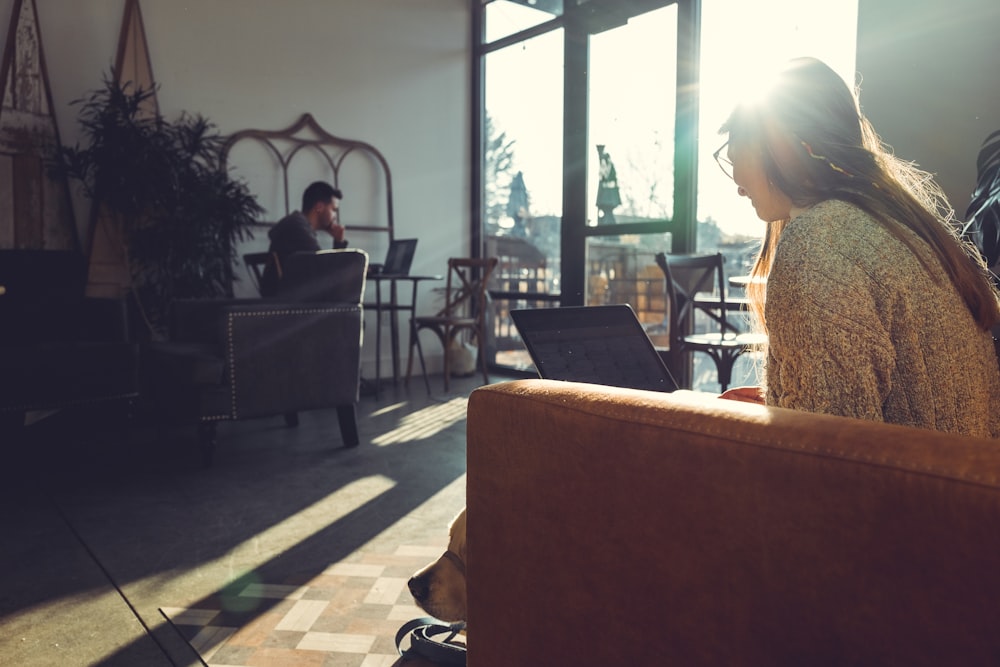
<point x="279" y="504"/>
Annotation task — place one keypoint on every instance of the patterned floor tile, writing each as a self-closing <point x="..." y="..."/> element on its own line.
<point x="346" y="616"/>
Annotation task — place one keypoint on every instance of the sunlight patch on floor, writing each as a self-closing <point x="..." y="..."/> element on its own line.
<point x="425" y="423"/>
<point x="389" y="408"/>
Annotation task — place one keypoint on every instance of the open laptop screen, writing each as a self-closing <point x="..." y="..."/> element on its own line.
<point x="399" y="257"/>
<point x="597" y="344"/>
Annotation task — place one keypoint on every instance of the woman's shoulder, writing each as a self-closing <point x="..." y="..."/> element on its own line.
<point x="832" y="226"/>
<point x="834" y="237"/>
<point x="833" y="215"/>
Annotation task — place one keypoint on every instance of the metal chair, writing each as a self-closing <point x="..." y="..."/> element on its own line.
<point x="464" y="311"/>
<point x="688" y="278"/>
<point x="265" y="270"/>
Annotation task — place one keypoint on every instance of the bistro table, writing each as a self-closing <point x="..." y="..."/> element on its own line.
<point x="392" y="307"/>
<point x="745" y="281"/>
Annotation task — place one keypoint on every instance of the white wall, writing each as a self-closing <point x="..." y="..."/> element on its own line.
<point x="930" y="83"/>
<point x="394" y="73"/>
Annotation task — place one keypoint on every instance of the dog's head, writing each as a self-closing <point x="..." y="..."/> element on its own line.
<point x="439" y="588"/>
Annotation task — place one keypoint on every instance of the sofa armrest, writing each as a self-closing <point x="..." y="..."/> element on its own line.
<point x="712" y="532"/>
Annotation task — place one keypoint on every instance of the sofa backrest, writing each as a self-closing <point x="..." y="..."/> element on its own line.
<point x="618" y="527"/>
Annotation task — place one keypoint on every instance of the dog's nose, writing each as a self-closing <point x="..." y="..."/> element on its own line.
<point x="419" y="588"/>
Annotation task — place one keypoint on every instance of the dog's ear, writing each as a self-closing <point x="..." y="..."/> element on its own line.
<point x="457" y="534"/>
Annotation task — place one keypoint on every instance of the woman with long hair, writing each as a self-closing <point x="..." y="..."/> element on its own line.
<point x="873" y="306"/>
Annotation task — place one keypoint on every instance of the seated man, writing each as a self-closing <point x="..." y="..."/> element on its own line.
<point x="297" y="232"/>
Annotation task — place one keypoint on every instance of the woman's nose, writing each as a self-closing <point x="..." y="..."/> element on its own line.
<point x="741" y="191"/>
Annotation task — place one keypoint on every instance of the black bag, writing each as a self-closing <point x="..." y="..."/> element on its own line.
<point x="422" y="633"/>
<point x="982" y="225"/>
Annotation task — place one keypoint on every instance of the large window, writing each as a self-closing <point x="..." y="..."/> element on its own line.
<point x="585" y="145"/>
<point x="522" y="172"/>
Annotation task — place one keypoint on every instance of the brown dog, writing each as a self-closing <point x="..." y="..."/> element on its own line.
<point x="439" y="588"/>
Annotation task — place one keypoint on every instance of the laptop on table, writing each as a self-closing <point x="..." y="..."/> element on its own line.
<point x="596" y="344"/>
<point x="398" y="259"/>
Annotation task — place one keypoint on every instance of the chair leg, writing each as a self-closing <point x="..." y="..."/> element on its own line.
<point x="409" y="357"/>
<point x="423" y="365"/>
<point x="415" y="340"/>
<point x="446" y="344"/>
<point x="481" y="336"/>
<point x="348" y="419"/>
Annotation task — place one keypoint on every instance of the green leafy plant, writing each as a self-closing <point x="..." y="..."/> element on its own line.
<point x="165" y="188"/>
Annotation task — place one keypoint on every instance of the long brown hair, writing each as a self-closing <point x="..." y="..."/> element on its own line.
<point x="815" y="145"/>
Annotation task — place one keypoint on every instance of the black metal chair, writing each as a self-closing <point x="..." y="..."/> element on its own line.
<point x="464" y="311"/>
<point x="688" y="279"/>
<point x="256" y="262"/>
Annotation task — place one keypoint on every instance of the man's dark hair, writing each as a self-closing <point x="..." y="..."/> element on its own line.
<point x="320" y="191"/>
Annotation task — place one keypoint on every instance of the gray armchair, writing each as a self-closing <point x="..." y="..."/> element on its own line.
<point x="246" y="358"/>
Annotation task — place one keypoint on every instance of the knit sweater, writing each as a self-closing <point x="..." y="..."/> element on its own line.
<point x="859" y="327"/>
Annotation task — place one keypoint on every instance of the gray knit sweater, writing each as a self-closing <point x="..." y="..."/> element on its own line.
<point x="859" y="328"/>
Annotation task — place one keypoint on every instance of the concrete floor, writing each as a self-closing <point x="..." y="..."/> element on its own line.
<point x="104" y="525"/>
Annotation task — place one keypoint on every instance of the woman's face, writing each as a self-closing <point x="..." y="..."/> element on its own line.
<point x="751" y="182"/>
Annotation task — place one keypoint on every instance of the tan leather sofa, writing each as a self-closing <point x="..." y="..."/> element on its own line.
<point x="619" y="527"/>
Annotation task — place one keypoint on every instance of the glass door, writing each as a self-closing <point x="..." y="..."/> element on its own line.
<point x="630" y="172"/>
<point x="522" y="171"/>
<point x="577" y="156"/>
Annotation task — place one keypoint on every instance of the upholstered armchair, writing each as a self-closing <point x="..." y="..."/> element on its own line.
<point x="230" y="359"/>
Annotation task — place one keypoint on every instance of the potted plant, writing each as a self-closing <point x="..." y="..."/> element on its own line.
<point x="165" y="189"/>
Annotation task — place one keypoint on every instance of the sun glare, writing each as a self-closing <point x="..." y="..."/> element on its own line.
<point x="742" y="42"/>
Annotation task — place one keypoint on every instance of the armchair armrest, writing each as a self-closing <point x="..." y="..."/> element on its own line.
<point x="274" y="357"/>
<point x="285" y="357"/>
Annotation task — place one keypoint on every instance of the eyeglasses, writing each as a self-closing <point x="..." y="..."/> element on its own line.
<point x="724" y="164"/>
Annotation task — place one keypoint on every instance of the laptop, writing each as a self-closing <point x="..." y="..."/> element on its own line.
<point x="398" y="258"/>
<point x="596" y="344"/>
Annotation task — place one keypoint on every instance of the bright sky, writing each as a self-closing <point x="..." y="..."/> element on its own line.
<point x="632" y="93"/>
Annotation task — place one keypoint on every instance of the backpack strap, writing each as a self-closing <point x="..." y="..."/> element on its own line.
<point x="422" y="633"/>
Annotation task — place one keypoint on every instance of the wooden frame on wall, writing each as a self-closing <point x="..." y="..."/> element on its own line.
<point x="35" y="206"/>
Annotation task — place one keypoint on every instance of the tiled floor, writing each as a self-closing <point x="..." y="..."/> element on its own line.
<point x="120" y="549"/>
<point x="347" y="615"/>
